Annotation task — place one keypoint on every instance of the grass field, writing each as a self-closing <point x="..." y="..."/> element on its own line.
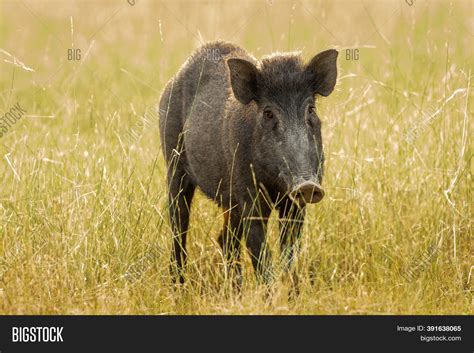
<point x="83" y="212"/>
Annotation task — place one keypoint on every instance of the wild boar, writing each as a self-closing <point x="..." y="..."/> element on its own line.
<point x="245" y="132"/>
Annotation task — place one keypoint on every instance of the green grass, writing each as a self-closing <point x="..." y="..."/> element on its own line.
<point x="83" y="214"/>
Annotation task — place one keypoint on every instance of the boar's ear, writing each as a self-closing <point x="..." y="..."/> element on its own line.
<point x="243" y="79"/>
<point x="323" y="70"/>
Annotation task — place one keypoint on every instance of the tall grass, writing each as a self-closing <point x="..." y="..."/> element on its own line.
<point x="83" y="213"/>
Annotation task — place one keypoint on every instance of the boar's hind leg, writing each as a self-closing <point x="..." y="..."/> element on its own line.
<point x="230" y="240"/>
<point x="181" y="191"/>
<point x="291" y="224"/>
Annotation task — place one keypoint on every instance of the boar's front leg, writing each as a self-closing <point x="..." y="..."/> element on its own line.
<point x="255" y="225"/>
<point x="291" y="225"/>
<point x="230" y="240"/>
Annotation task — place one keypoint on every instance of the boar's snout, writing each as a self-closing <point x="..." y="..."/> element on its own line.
<point x="307" y="192"/>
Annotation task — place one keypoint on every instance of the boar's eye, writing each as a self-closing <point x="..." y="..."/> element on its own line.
<point x="268" y="114"/>
<point x="311" y="116"/>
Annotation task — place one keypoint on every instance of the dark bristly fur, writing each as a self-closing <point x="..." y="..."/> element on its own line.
<point x="245" y="132"/>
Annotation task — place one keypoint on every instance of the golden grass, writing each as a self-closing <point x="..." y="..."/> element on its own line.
<point x="83" y="215"/>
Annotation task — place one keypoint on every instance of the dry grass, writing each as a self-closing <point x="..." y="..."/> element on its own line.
<point x="83" y="214"/>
